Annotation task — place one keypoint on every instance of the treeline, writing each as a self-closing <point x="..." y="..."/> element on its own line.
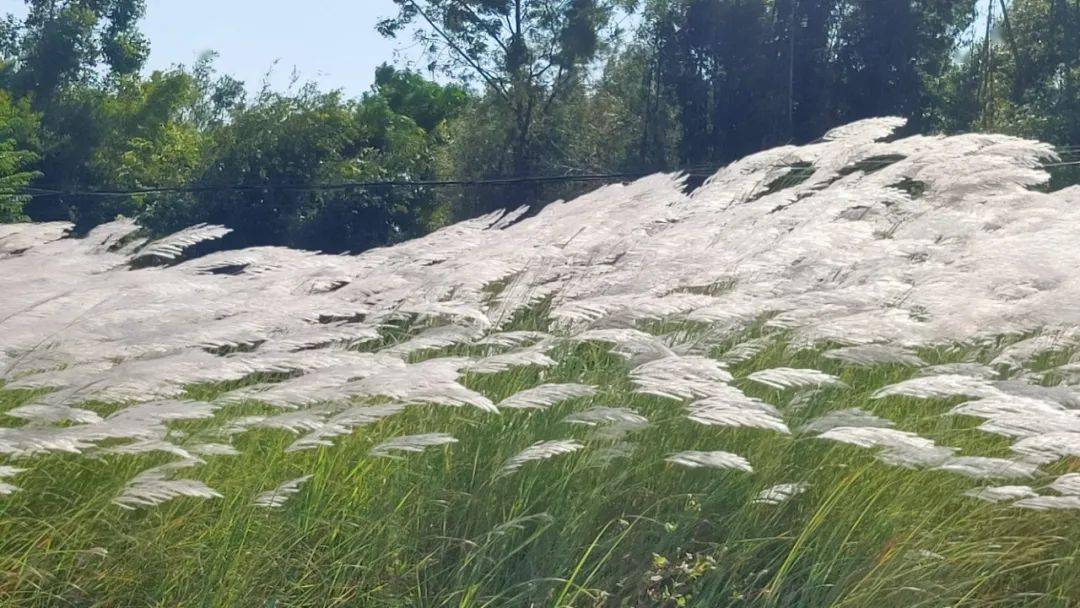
<point x="539" y="87"/>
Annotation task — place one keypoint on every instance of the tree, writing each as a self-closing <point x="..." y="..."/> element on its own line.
<point x="527" y="53"/>
<point x="137" y="133"/>
<point x="749" y="74"/>
<point x="18" y="138"/>
<point x="65" y="41"/>
<point x="264" y="166"/>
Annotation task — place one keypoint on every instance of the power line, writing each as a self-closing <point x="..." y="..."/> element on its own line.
<point x="698" y="171"/>
<point x="56" y="190"/>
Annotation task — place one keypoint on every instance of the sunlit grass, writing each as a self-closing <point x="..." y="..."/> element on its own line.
<point x="443" y="528"/>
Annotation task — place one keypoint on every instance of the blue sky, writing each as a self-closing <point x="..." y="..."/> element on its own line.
<point x="332" y="42"/>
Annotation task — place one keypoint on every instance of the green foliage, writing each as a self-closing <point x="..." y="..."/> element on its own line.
<point x="546" y="88"/>
<point x="528" y="54"/>
<point x="66" y="41"/>
<point x="18" y="140"/>
<point x="134" y="134"/>
<point x="265" y="157"/>
<point x="442" y="529"/>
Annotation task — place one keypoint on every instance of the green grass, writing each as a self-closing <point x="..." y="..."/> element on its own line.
<point x="442" y="529"/>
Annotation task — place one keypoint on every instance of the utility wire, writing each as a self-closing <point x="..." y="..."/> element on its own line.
<point x="699" y="171"/>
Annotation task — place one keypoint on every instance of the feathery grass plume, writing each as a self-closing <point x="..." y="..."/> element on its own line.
<point x="153" y="487"/>
<point x="276" y="498"/>
<point x="845" y="258"/>
<point x="942" y="386"/>
<point x="1068" y="484"/>
<point x="681" y="378"/>
<point x="294" y="422"/>
<point x="1062" y="395"/>
<point x="851" y="417"/>
<point x="605" y="456"/>
<point x="541" y="450"/>
<point x="1020" y="417"/>
<point x="1019" y="353"/>
<point x="433" y="381"/>
<point x="343" y="424"/>
<point x="783" y="378"/>
<point x="974" y="370"/>
<point x="546" y="395"/>
<point x="433" y="338"/>
<point x="16" y="238"/>
<point x="51" y="413"/>
<point x="874" y="354"/>
<point x="746" y="350"/>
<point x="513" y="339"/>
<point x="900" y="448"/>
<point x="779" y="493"/>
<point x="1049" y="503"/>
<point x="5" y="472"/>
<point x="730" y="407"/>
<point x="631" y="344"/>
<point x="410" y="443"/>
<point x="607" y="415"/>
<point x="981" y="467"/>
<point x="214" y="449"/>
<point x="147" y="446"/>
<point x="502" y="362"/>
<point x="172" y="246"/>
<point x="713" y="460"/>
<point x="1001" y="493"/>
<point x="1048" y="447"/>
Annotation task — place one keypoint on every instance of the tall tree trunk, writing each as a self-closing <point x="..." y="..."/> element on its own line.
<point x="988" y="73"/>
<point x="1022" y="67"/>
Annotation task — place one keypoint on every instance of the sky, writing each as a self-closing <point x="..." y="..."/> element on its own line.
<point x="332" y="42"/>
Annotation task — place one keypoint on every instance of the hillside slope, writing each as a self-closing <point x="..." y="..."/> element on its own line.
<point x="835" y="374"/>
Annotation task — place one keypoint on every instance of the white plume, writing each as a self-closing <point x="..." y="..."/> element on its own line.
<point x="411" y="443"/>
<point x="712" y="460"/>
<point x="276" y="498"/>
<point x="542" y="450"/>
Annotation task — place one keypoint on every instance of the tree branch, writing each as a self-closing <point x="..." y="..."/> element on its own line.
<point x="488" y="78"/>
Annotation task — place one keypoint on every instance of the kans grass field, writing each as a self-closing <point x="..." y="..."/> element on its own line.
<point x="834" y="375"/>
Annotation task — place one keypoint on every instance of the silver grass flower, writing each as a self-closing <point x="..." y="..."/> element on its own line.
<point x="711" y="460"/>
<point x="173" y="245"/>
<point x="1068" y="484"/>
<point x="1049" y="503"/>
<point x="732" y="408"/>
<point x="899" y="448"/>
<point x="784" y="378"/>
<point x="779" y="493"/>
<point x="607" y="415"/>
<point x="541" y="450"/>
<point x="681" y="377"/>
<point x="1048" y="447"/>
<point x="941" y="386"/>
<point x="153" y="487"/>
<point x="521" y="358"/>
<point x="874" y="354"/>
<point x="411" y="443"/>
<point x="546" y="395"/>
<point x="279" y="496"/>
<point x="852" y="417"/>
<point x="981" y="467"/>
<point x="1001" y="493"/>
<point x="108" y="319"/>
